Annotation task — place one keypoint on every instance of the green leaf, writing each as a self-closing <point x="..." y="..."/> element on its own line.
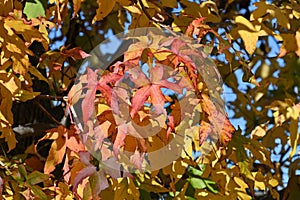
<point x="22" y="171"/>
<point x="37" y="191"/>
<point x="195" y="172"/>
<point x="35" y="8"/>
<point x="210" y="187"/>
<point x="36" y="177"/>
<point x="197" y="183"/>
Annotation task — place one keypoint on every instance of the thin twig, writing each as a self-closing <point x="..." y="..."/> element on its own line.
<point x="52" y="97"/>
<point x="46" y="112"/>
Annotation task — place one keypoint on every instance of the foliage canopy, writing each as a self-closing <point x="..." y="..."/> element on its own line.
<point x="255" y="47"/>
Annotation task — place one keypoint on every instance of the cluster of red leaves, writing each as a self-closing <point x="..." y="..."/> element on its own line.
<point x="123" y="121"/>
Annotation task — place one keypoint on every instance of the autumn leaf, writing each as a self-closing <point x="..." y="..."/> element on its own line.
<point x="272" y="11"/>
<point x="82" y="174"/>
<point x="137" y="159"/>
<point x="218" y="126"/>
<point x="74" y="142"/>
<point x="62" y="139"/>
<point x="151" y="87"/>
<point x="57" y="150"/>
<point x="88" y="103"/>
<point x="291" y="43"/>
<point x="105" y="7"/>
<point x="105" y="85"/>
<point x="76" y="53"/>
<point x="248" y="32"/>
<point x="97" y="178"/>
<point x="76" y="6"/>
<point x="185" y="56"/>
<point x="10" y="137"/>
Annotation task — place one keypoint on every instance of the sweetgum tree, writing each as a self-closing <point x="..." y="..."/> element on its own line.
<point x="147" y="119"/>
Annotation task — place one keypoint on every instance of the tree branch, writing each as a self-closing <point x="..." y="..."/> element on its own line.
<point x="46" y="112"/>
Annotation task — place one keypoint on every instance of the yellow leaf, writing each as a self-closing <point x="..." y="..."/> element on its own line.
<point x="126" y="189"/>
<point x="248" y="32"/>
<point x="273" y="182"/>
<point x="240" y="182"/>
<point x="28" y="32"/>
<point x="10" y="81"/>
<point x="259" y="131"/>
<point x="276" y="132"/>
<point x="180" y="23"/>
<point x="10" y="138"/>
<point x="25" y="95"/>
<point x="57" y="150"/>
<point x="15" y="36"/>
<point x="206" y="9"/>
<point x="124" y="2"/>
<point x="210" y="10"/>
<point x="152" y="186"/>
<point x="101" y="108"/>
<point x="294" y="136"/>
<point x="289" y="44"/>
<point x="297" y="38"/>
<point x="76" y="6"/>
<point x="34" y="71"/>
<point x="243" y="195"/>
<point x="264" y="8"/>
<point x="169" y="3"/>
<point x="259" y="181"/>
<point x="6" y="116"/>
<point x="133" y="9"/>
<point x="105" y="7"/>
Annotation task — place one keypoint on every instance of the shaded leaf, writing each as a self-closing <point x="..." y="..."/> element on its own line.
<point x="88" y="103"/>
<point x="82" y="174"/>
<point x="36" y="177"/>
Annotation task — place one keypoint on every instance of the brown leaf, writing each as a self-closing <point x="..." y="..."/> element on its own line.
<point x="76" y="53"/>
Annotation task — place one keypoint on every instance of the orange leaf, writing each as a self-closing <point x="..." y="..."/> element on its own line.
<point x="57" y="150"/>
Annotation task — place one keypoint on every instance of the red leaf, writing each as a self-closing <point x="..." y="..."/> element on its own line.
<point x="104" y="86"/>
<point x="218" y="124"/>
<point x="137" y="159"/>
<point x="139" y="99"/>
<point x="88" y="102"/>
<point x="119" y="141"/>
<point x="171" y="125"/>
<point x="82" y="174"/>
<point x="75" y="53"/>
<point x="226" y="134"/>
<point x="157" y="98"/>
<point x="204" y="131"/>
<point x="85" y="157"/>
<point x="193" y="28"/>
<point x="151" y="88"/>
<point x="172" y="86"/>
